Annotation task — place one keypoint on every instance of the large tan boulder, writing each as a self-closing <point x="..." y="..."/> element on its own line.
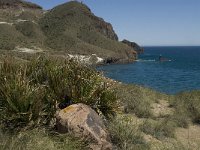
<point x="84" y="122"/>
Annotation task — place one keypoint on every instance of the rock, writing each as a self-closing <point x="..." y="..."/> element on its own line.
<point x="84" y="122"/>
<point x="134" y="45"/>
<point x="110" y="60"/>
<point x="105" y="28"/>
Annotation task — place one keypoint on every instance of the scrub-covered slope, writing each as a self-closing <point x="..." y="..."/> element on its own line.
<point x="70" y="28"/>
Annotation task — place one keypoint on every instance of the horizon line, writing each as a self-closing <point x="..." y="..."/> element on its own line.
<point x="170" y="45"/>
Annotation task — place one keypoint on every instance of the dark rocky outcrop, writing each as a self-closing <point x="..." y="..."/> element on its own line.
<point x="134" y="45"/>
<point x="105" y="28"/>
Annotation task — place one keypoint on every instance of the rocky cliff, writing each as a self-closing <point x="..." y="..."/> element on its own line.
<point x="134" y="45"/>
<point x="105" y="28"/>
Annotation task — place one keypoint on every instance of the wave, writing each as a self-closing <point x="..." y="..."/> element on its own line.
<point x="152" y="60"/>
<point x="146" y="60"/>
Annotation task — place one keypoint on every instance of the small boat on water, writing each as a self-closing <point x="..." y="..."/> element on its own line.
<point x="161" y="58"/>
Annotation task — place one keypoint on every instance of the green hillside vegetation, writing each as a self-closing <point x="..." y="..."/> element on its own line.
<point x="23" y="34"/>
<point x="31" y="31"/>
<point x="71" y="28"/>
<point x="9" y="37"/>
<point x="13" y="15"/>
<point x="18" y="3"/>
<point x="75" y="24"/>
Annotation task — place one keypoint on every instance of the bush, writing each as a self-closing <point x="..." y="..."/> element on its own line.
<point x="159" y="129"/>
<point x="180" y="118"/>
<point x="30" y="91"/>
<point x="125" y="134"/>
<point x="137" y="99"/>
<point x="20" y="101"/>
<point x="187" y="107"/>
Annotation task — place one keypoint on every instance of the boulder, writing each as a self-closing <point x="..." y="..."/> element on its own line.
<point x="83" y="122"/>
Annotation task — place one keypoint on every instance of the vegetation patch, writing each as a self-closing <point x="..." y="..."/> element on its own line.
<point x="187" y="107"/>
<point x="38" y="139"/>
<point x="137" y="99"/>
<point x="31" y="90"/>
<point x="159" y="129"/>
<point x="125" y="134"/>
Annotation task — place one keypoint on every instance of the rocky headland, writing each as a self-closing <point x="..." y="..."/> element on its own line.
<point x="134" y="45"/>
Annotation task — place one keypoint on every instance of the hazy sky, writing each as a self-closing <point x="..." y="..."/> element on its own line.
<point x="147" y="22"/>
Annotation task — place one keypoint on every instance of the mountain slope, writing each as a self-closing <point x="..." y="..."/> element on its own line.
<point x="70" y="28"/>
<point x="18" y="4"/>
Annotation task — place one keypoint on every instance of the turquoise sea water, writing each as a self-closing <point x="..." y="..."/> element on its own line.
<point x="180" y="71"/>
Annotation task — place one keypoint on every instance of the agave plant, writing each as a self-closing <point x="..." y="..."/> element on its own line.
<point x="31" y="90"/>
<point x="19" y="99"/>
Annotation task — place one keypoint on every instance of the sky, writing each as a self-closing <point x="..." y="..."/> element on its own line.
<point x="147" y="22"/>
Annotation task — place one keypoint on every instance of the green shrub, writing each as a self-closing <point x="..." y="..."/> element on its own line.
<point x="181" y="118"/>
<point x="21" y="102"/>
<point x="125" y="134"/>
<point x="159" y="129"/>
<point x="187" y="107"/>
<point x="136" y="99"/>
<point x="81" y="83"/>
<point x="30" y="91"/>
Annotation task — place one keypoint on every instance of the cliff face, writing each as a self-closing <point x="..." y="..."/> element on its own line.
<point x="134" y="45"/>
<point x="102" y="26"/>
<point x="105" y="28"/>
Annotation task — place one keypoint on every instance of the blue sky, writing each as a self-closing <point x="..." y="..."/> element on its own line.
<point x="147" y="22"/>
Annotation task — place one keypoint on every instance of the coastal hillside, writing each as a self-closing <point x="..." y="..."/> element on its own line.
<point x="17" y="4"/>
<point x="70" y="28"/>
<point x="18" y="24"/>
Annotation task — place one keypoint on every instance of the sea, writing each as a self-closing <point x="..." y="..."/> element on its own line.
<point x="179" y="71"/>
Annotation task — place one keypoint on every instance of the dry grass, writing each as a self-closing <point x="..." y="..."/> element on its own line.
<point x="38" y="139"/>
